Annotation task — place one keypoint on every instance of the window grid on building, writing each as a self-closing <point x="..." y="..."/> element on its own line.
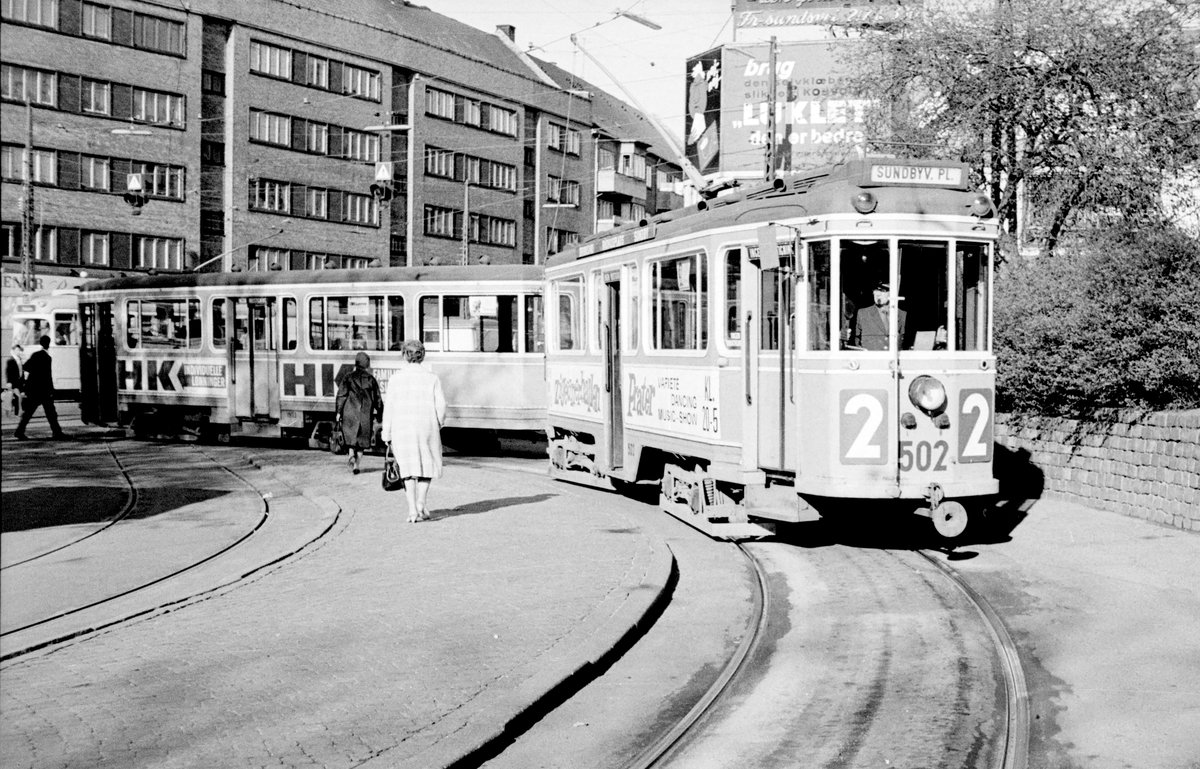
<point x="97" y="21"/>
<point x="95" y="97"/>
<point x="156" y="34"/>
<point x="95" y="173"/>
<point x="316" y="203"/>
<point x="94" y="248"/>
<point x="270" y="195"/>
<point x="43" y="13"/>
<point x="564" y="139"/>
<point x="28" y="84"/>
<point x="361" y="209"/>
<point x="270" y="128"/>
<point x="272" y="60"/>
<point x="161" y="181"/>
<point x="468" y="111"/>
<point x="158" y="253"/>
<point x="357" y="81"/>
<point x="158" y="107"/>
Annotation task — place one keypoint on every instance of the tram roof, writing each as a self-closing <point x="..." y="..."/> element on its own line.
<point x="821" y="191"/>
<point x="369" y="275"/>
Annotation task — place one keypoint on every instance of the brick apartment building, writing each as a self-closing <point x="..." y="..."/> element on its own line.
<point x="300" y="134"/>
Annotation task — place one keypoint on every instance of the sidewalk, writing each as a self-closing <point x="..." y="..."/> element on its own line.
<point x="382" y="643"/>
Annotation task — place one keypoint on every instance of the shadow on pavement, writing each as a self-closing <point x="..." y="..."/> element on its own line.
<point x="40" y="507"/>
<point x="488" y="505"/>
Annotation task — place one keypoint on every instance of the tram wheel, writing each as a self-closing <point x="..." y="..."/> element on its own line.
<point x="950" y="519"/>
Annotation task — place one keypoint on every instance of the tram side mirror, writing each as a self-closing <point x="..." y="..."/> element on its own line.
<point x="768" y="247"/>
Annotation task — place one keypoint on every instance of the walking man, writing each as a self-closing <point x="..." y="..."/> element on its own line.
<point x="39" y="390"/>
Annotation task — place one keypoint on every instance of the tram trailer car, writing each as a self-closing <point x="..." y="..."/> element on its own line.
<point x="221" y="355"/>
<point x="787" y="352"/>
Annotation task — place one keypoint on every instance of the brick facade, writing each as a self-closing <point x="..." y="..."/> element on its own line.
<point x="1142" y="464"/>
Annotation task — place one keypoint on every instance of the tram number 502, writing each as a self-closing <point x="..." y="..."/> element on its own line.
<point x="864" y="422"/>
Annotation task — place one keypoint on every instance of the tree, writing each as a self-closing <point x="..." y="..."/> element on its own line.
<point x="1086" y="112"/>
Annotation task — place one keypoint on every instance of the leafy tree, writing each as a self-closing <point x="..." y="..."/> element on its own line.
<point x="1106" y="323"/>
<point x="1088" y="111"/>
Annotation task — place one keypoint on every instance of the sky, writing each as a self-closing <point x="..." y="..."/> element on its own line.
<point x="651" y="64"/>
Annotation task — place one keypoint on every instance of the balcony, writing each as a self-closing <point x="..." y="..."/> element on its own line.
<point x="609" y="182"/>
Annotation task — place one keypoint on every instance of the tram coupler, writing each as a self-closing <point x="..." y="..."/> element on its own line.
<point x="949" y="517"/>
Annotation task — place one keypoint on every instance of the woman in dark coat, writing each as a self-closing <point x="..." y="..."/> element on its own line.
<point x="358" y="401"/>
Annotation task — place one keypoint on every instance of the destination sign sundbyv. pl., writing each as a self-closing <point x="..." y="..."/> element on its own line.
<point x="897" y="173"/>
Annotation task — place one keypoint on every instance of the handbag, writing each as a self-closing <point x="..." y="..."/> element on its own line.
<point x="391" y="472"/>
<point x="337" y="440"/>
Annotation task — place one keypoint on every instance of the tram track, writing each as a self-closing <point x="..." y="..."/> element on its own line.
<point x="168" y="587"/>
<point x="864" y="703"/>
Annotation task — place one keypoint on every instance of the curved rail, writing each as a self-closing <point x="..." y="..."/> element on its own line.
<point x="1015" y="754"/>
<point x="130" y="505"/>
<point x="662" y="749"/>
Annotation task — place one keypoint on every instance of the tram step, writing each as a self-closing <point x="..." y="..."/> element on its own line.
<point x="731" y="531"/>
<point x="779" y="503"/>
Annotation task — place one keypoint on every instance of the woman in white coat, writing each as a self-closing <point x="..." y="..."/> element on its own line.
<point x="413" y="411"/>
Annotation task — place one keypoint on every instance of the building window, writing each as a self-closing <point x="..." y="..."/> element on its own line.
<point x="439" y="103"/>
<point x="94" y="248"/>
<point x="212" y="82"/>
<point x="270" y="60"/>
<point x="439" y="222"/>
<point x="361" y="209"/>
<point x="472" y="112"/>
<point x="564" y="139"/>
<point x="501" y="176"/>
<point x="95" y="97"/>
<point x="317" y="72"/>
<point x="212" y="153"/>
<point x="157" y="107"/>
<point x="502" y="121"/>
<point x="317" y="138"/>
<point x="439" y="162"/>
<point x="95" y="173"/>
<point x="357" y="81"/>
<point x="159" y="253"/>
<point x="42" y="162"/>
<point x="271" y="128"/>
<point x="562" y="191"/>
<point x="45" y="244"/>
<point x="97" y="21"/>
<point x="492" y="231"/>
<point x="43" y="13"/>
<point x="314" y="261"/>
<point x="267" y="195"/>
<point x="261" y="259"/>
<point x="316" y="203"/>
<point x="557" y="240"/>
<point x="25" y="84"/>
<point x="361" y="146"/>
<point x="161" y="181"/>
<point x="155" y="34"/>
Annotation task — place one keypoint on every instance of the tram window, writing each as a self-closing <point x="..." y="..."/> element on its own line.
<point x="66" y="329"/>
<point x="570" y="312"/>
<point x="316" y="323"/>
<point x="354" y="323"/>
<point x="479" y="323"/>
<point x="923" y="299"/>
<point x="171" y="323"/>
<point x="290" y="330"/>
<point x="864" y="266"/>
<point x="971" y="300"/>
<point x="28" y="333"/>
<point x="818" y="295"/>
<point x="431" y="328"/>
<point x="634" y="323"/>
<point x="535" y="325"/>
<point x="733" y="297"/>
<point x="395" y="322"/>
<point x="680" y="316"/>
<point x="218" y="323"/>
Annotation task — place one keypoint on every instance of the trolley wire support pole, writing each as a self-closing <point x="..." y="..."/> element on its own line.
<point x="27" y="278"/>
<point x="466" y="220"/>
<point x="772" y="98"/>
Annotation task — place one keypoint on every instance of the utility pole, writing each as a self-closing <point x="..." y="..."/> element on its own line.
<point x="466" y="225"/>
<point x="27" y="279"/>
<point x="772" y="98"/>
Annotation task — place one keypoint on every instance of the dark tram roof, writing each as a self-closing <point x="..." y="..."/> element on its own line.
<point x="369" y="276"/>
<point x="820" y="192"/>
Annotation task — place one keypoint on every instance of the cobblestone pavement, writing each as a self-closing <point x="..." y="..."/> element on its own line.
<point x="381" y="643"/>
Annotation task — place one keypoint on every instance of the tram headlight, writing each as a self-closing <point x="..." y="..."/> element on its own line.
<point x="981" y="206"/>
<point x="927" y="394"/>
<point x="864" y="202"/>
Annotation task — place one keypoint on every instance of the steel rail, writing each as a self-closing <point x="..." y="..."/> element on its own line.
<point x="1015" y="754"/>
<point x="665" y="746"/>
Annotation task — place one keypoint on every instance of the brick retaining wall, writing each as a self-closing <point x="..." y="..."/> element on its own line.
<point x="1143" y="464"/>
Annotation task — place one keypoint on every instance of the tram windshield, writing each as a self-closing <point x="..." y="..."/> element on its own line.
<point x="936" y="301"/>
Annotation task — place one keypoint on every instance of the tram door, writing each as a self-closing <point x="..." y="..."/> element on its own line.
<point x="97" y="365"/>
<point x="612" y="365"/>
<point x="774" y="340"/>
<point x="253" y="345"/>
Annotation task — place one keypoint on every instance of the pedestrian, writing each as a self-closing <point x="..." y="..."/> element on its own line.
<point x="358" y="403"/>
<point x="413" y="414"/>
<point x="39" y="390"/>
<point x="14" y="378"/>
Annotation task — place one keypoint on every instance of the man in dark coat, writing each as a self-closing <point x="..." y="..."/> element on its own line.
<point x="39" y="390"/>
<point x="871" y="323"/>
<point x="14" y="378"/>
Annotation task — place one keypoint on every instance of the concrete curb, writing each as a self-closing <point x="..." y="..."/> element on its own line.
<point x="480" y="728"/>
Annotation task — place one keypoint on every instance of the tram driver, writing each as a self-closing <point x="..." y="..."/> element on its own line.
<point x="871" y="322"/>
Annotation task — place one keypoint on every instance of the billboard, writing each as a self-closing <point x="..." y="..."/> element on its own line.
<point x="772" y="14"/>
<point x="818" y="120"/>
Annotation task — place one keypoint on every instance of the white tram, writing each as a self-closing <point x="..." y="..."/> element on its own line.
<point x="745" y="356"/>
<point x="261" y="354"/>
